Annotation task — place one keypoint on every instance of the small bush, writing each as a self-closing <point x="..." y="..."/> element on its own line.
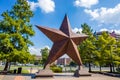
<point x="56" y="69"/>
<point x="25" y="72"/>
<point x="118" y="69"/>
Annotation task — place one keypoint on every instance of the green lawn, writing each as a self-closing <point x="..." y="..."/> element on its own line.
<point x="24" y="68"/>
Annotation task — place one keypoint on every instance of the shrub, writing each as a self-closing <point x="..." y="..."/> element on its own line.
<point x="25" y="72"/>
<point x="56" y="69"/>
<point x="118" y="69"/>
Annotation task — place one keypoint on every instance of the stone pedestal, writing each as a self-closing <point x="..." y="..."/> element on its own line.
<point x="81" y="72"/>
<point x="44" y="73"/>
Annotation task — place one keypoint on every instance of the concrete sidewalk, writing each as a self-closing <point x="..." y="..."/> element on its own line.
<point x="59" y="76"/>
<point x="70" y="77"/>
<point x="1" y="77"/>
<point x="12" y="77"/>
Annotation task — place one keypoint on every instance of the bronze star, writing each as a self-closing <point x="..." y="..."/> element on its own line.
<point x="65" y="42"/>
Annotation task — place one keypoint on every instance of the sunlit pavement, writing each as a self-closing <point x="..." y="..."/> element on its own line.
<point x="70" y="77"/>
<point x="59" y="76"/>
<point x="19" y="78"/>
<point x="1" y="77"/>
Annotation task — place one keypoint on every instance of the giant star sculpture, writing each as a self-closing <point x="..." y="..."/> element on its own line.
<point x="65" y="42"/>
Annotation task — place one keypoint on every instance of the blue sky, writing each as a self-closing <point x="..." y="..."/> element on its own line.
<point x="99" y="14"/>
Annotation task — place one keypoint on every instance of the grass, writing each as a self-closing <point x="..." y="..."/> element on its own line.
<point x="24" y="68"/>
<point x="25" y="72"/>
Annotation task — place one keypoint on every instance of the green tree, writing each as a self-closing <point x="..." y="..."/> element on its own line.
<point x="105" y="47"/>
<point x="32" y="59"/>
<point x="15" y="31"/>
<point x="117" y="55"/>
<point x="87" y="48"/>
<point x="86" y="29"/>
<point x="44" y="52"/>
<point x="73" y="64"/>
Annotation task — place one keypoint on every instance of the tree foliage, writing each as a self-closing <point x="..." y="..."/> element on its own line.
<point x="44" y="52"/>
<point x="15" y="31"/>
<point x="87" y="47"/>
<point x="117" y="53"/>
<point x="72" y="63"/>
<point x="105" y="45"/>
<point x="100" y="50"/>
<point x="86" y="29"/>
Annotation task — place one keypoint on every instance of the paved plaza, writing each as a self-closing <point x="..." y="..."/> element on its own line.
<point x="59" y="76"/>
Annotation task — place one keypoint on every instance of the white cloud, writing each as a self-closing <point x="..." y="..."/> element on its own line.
<point x="116" y="31"/>
<point x="105" y="15"/>
<point x="75" y="30"/>
<point x="104" y="29"/>
<point x="35" y="50"/>
<point x="86" y="3"/>
<point x="33" y="5"/>
<point x="46" y="6"/>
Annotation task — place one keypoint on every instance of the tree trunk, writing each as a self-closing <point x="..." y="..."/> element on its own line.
<point x="100" y="68"/>
<point x="6" y="66"/>
<point x="89" y="67"/>
<point x="113" y="68"/>
<point x="9" y="66"/>
<point x="70" y="68"/>
<point x="118" y="66"/>
<point x="110" y="67"/>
